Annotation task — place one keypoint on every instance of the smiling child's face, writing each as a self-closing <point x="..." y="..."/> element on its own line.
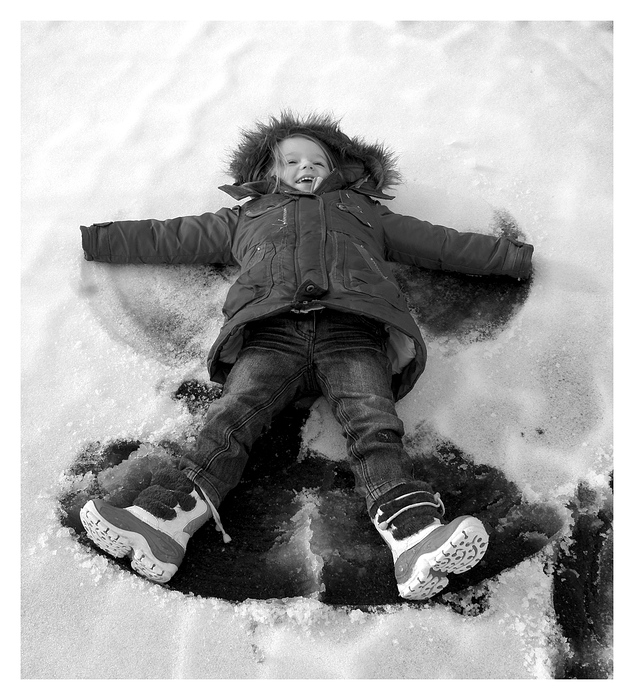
<point x="302" y="161"/>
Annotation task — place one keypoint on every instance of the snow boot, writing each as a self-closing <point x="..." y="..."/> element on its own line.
<point x="425" y="549"/>
<point x="154" y="531"/>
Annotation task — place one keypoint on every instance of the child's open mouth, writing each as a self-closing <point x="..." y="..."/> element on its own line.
<point x="313" y="181"/>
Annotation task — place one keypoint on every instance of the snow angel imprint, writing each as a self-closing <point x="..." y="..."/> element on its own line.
<point x="315" y="311"/>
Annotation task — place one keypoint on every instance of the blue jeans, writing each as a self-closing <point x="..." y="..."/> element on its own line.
<point x="340" y="355"/>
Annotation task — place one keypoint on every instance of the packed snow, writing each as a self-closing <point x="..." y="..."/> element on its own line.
<point x="133" y="120"/>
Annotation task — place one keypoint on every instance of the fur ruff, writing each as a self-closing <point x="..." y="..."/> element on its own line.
<point x="356" y="159"/>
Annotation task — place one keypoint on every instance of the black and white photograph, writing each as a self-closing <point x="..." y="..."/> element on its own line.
<point x="317" y="347"/>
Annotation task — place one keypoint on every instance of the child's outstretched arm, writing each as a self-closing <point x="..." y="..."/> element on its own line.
<point x="204" y="239"/>
<point x="414" y="242"/>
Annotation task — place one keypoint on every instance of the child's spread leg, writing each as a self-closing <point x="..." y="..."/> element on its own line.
<point x="270" y="372"/>
<point x="354" y="372"/>
<point x="354" y="375"/>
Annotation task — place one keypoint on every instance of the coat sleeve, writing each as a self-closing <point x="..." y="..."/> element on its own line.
<point x="204" y="239"/>
<point x="414" y="242"/>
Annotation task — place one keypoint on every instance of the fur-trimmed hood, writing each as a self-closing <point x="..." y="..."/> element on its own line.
<point x="358" y="161"/>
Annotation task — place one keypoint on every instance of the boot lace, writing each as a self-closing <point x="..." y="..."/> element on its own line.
<point x="215" y="515"/>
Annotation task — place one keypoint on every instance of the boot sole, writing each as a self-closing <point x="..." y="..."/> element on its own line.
<point x="153" y="554"/>
<point x="452" y="549"/>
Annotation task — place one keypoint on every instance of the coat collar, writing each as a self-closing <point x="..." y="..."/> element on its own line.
<point x="333" y="182"/>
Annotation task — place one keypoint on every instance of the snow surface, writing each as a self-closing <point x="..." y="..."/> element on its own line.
<point x="134" y="120"/>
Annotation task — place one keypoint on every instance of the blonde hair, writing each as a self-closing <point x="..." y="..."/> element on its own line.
<point x="278" y="161"/>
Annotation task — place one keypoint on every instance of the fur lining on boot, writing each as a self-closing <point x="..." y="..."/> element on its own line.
<point x="169" y="488"/>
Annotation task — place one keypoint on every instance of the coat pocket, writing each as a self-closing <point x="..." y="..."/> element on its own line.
<point x="255" y="281"/>
<point x="351" y="205"/>
<point x="369" y="260"/>
<point x="264" y="205"/>
<point x="255" y="255"/>
<point x="357" y="212"/>
<point x="364" y="274"/>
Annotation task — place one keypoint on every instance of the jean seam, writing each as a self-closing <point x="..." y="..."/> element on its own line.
<point x="234" y="427"/>
<point x="353" y="435"/>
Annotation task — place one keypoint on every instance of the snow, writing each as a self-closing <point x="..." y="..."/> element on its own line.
<point x="134" y="120"/>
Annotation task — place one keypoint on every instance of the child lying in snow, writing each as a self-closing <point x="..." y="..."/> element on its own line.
<point x="315" y="310"/>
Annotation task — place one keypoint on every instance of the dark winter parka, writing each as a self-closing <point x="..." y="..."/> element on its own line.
<point x="296" y="250"/>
